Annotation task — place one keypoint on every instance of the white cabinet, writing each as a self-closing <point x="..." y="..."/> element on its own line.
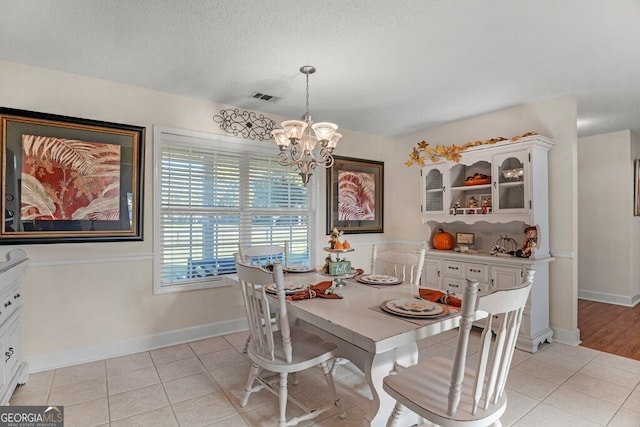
<point x="505" y="277"/>
<point x="511" y="177"/>
<point x="434" y="184"/>
<point x="432" y="273"/>
<point x="455" y="274"/>
<point x="499" y="273"/>
<point x="13" y="370"/>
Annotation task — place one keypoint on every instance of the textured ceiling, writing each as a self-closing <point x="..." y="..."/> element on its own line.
<point x="384" y="67"/>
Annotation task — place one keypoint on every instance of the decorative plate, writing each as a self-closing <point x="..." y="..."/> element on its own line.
<point x="338" y="250"/>
<point x="379" y="279"/>
<point x="412" y="307"/>
<point x="289" y="288"/>
<point x="298" y="269"/>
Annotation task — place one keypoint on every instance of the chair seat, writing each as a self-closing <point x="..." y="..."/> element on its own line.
<point x="422" y="388"/>
<point x="309" y="350"/>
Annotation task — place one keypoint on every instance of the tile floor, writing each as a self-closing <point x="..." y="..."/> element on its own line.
<point x="200" y="383"/>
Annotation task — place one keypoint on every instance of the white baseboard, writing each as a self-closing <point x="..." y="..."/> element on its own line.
<point x="69" y="357"/>
<point x="569" y="337"/>
<point x="609" y="298"/>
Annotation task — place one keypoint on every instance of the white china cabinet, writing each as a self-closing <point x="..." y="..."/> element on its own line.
<point x="14" y="370"/>
<point x="493" y="189"/>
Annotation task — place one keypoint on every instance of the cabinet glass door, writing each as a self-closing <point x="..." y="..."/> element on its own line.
<point x="433" y="190"/>
<point x="510" y="182"/>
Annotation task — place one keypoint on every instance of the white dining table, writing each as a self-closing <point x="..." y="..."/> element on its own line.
<point x="373" y="340"/>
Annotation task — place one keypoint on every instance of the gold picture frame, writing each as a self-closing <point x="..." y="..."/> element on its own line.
<point x="69" y="180"/>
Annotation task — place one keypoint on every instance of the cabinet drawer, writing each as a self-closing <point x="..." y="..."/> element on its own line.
<point x="11" y="345"/>
<point x="454" y="269"/>
<point x="454" y="286"/>
<point x="8" y="304"/>
<point x="479" y="272"/>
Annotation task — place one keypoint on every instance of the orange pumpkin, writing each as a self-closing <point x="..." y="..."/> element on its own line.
<point x="443" y="240"/>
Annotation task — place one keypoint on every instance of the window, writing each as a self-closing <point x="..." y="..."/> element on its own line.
<point x="213" y="193"/>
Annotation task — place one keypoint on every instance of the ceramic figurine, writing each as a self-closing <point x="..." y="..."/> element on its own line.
<point x="486" y="204"/>
<point x="530" y="242"/>
<point x="472" y="204"/>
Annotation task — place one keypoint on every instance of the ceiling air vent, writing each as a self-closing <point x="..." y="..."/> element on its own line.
<point x="264" y="97"/>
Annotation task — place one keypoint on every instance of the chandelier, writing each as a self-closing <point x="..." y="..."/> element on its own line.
<point x="299" y="148"/>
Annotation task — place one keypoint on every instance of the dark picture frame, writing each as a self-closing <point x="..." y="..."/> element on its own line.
<point x="355" y="196"/>
<point x="68" y="179"/>
<point x="636" y="187"/>
<point x="468" y="239"/>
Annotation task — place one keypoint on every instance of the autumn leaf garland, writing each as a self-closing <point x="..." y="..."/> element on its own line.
<point x="422" y="151"/>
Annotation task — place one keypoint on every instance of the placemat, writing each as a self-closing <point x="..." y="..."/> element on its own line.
<point x="453" y="311"/>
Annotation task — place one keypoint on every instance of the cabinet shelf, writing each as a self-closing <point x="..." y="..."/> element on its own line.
<point x="491" y="218"/>
<point x="510" y="184"/>
<point x="471" y="187"/>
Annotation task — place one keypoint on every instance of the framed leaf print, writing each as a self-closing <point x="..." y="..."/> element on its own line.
<point x="67" y="180"/>
<point x="355" y="196"/>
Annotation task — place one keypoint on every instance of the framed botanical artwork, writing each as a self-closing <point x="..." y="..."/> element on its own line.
<point x="355" y="196"/>
<point x="68" y="180"/>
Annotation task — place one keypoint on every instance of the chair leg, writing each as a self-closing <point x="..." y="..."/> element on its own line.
<point x="337" y="361"/>
<point x="398" y="409"/>
<point x="327" y="371"/>
<point x="246" y="345"/>
<point x="255" y="371"/>
<point x="282" y="398"/>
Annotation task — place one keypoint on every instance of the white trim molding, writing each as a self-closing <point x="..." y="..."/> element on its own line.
<point x="625" y="300"/>
<point x="566" y="336"/>
<point x="69" y="357"/>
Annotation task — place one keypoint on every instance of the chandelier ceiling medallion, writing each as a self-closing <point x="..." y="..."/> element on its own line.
<point x="298" y="144"/>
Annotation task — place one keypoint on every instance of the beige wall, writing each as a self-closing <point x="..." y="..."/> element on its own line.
<point x="89" y="300"/>
<point x="608" y="266"/>
<point x="86" y="300"/>
<point x="556" y="119"/>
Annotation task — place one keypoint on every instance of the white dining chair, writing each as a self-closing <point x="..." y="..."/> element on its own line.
<point x="283" y="351"/>
<point x="263" y="255"/>
<point x="399" y="260"/>
<point x="445" y="391"/>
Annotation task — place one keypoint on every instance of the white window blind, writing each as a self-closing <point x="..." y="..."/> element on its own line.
<point x="213" y="197"/>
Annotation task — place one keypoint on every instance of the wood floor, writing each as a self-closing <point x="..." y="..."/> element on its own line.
<point x="610" y="328"/>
